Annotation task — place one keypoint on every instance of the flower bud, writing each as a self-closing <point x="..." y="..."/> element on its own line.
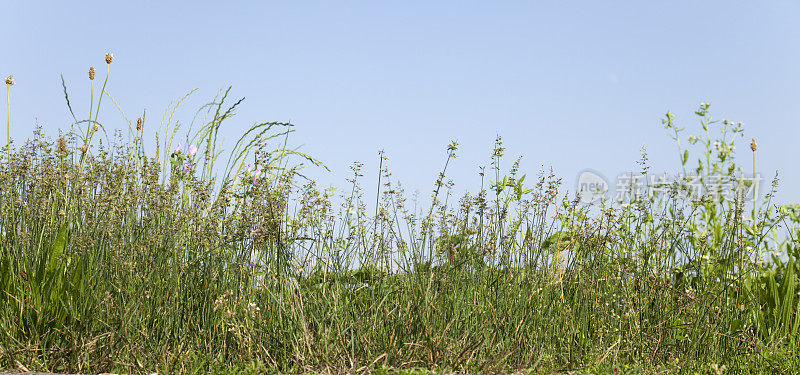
<point x="91" y="73"/>
<point x="10" y="80"/>
<point x="109" y="58"/>
<point x="95" y="128"/>
<point x="753" y="145"/>
<point x="139" y="124"/>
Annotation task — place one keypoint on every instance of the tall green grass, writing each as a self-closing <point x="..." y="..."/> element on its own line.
<point x="116" y="257"/>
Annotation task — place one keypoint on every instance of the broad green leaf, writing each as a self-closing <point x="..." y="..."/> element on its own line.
<point x="59" y="246"/>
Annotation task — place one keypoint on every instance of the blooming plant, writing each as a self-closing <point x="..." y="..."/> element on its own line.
<point x="254" y="174"/>
<point x="183" y="160"/>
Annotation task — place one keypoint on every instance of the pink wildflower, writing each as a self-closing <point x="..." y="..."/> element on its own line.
<point x="253" y="174"/>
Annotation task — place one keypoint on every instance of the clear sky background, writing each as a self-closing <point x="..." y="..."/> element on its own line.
<point x="572" y="85"/>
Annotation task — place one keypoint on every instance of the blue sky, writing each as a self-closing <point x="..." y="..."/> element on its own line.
<point x="572" y="85"/>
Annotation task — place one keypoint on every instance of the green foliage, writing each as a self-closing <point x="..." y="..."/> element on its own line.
<point x="124" y="259"/>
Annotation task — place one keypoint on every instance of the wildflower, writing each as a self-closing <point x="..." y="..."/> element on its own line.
<point x="186" y="167"/>
<point x="95" y="128"/>
<point x="10" y="81"/>
<point x="178" y="149"/>
<point x="91" y="73"/>
<point x="753" y="145"/>
<point x="109" y="58"/>
<point x="254" y="174"/>
<point x="192" y="150"/>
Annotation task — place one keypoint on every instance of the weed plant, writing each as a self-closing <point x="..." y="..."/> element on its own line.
<point x="116" y="257"/>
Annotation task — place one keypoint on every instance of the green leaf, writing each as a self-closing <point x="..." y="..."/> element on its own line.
<point x="679" y="330"/>
<point x="736" y="326"/>
<point x="59" y="246"/>
<point x="788" y="296"/>
<point x="553" y="239"/>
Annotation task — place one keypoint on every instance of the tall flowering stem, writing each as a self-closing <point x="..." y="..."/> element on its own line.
<point x="93" y="122"/>
<point x="9" y="83"/>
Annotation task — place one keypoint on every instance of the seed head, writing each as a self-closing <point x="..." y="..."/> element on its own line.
<point x="62" y="144"/>
<point x="10" y="81"/>
<point x="109" y="58"/>
<point x="91" y="73"/>
<point x="753" y="145"/>
<point x="95" y="128"/>
<point x="139" y="124"/>
<point x="83" y="148"/>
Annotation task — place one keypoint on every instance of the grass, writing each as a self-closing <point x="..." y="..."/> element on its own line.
<point x="119" y="259"/>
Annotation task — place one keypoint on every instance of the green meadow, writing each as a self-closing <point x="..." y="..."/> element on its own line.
<point x="146" y="246"/>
